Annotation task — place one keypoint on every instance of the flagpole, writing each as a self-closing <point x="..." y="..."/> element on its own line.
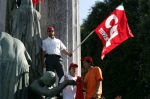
<point x="80" y="45"/>
<point x="82" y="42"/>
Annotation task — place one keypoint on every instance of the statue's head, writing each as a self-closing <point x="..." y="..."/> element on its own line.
<point x="49" y="78"/>
<point x="27" y="3"/>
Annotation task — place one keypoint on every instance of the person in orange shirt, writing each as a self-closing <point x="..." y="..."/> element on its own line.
<point x="92" y="80"/>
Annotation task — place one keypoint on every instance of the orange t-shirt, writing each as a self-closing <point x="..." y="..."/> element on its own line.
<point x="90" y="82"/>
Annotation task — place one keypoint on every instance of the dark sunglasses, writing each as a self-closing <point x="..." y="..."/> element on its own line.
<point x="50" y="30"/>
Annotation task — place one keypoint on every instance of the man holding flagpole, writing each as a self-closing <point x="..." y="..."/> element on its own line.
<point x="51" y="50"/>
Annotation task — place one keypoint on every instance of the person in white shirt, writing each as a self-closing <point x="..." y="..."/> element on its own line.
<point x="51" y="50"/>
<point x="69" y="92"/>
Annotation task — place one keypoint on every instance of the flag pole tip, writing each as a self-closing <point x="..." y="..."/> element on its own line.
<point x="122" y="3"/>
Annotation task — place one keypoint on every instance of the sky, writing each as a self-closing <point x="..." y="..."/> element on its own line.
<point x="85" y="8"/>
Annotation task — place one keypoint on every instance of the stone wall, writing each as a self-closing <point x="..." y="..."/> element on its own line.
<point x="2" y="14"/>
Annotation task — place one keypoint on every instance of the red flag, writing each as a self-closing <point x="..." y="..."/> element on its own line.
<point x="79" y="92"/>
<point x="113" y="30"/>
<point x="36" y="1"/>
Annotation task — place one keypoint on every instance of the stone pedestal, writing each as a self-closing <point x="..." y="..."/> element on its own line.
<point x="63" y="15"/>
<point x="2" y="14"/>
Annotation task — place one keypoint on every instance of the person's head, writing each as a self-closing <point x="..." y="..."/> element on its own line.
<point x="118" y="97"/>
<point x="48" y="78"/>
<point x="73" y="69"/>
<point x="87" y="62"/>
<point x="50" y="32"/>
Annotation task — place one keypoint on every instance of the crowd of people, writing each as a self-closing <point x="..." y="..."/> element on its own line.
<point x="52" y="61"/>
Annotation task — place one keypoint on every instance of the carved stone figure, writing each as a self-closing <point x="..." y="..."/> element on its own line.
<point x="14" y="68"/>
<point x="26" y="27"/>
<point x="41" y="86"/>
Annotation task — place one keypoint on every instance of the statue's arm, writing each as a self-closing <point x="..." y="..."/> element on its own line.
<point x="55" y="90"/>
<point x="43" y="91"/>
<point x="50" y="92"/>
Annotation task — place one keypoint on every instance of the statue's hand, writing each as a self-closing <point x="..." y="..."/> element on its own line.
<point x="70" y="82"/>
<point x="65" y="83"/>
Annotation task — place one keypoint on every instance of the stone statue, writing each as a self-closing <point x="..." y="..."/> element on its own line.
<point x="41" y="86"/>
<point x="26" y="27"/>
<point x="14" y="68"/>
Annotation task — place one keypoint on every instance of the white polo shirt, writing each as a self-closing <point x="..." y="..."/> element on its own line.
<point x="53" y="46"/>
<point x="69" y="92"/>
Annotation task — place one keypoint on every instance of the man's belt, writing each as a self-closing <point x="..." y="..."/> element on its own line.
<point x="55" y="55"/>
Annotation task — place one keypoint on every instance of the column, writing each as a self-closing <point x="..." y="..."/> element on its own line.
<point x="2" y="14"/>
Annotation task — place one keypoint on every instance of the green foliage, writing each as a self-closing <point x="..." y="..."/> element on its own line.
<point x="126" y="68"/>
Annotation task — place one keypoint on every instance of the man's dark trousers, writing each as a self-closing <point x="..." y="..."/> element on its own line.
<point x="54" y="62"/>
